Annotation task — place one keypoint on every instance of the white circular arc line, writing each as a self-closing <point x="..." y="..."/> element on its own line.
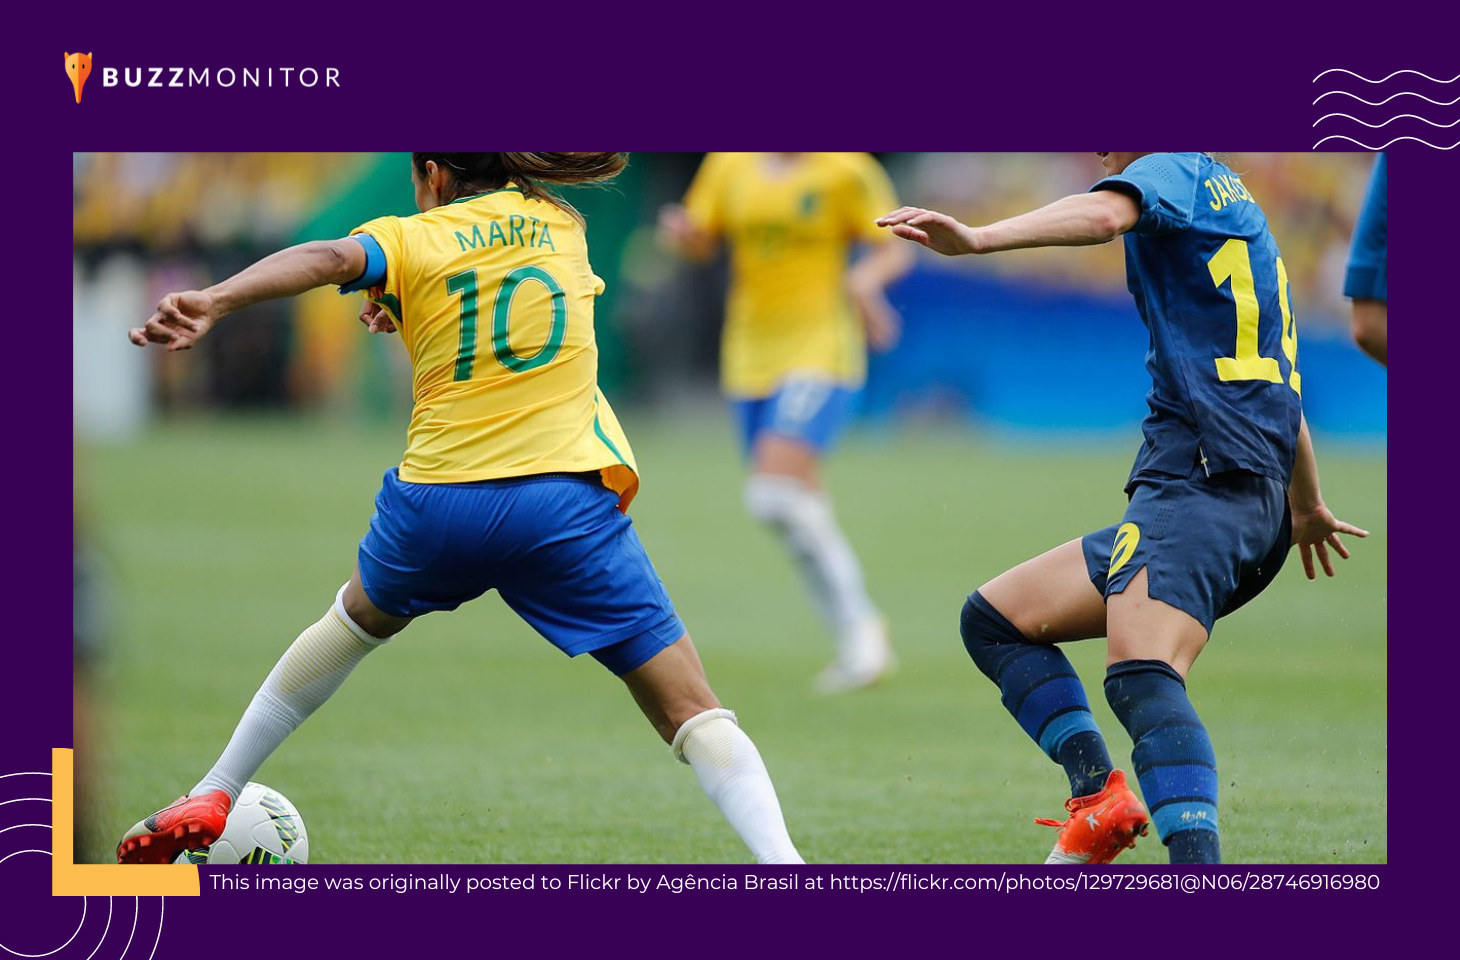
<point x="136" y="901"/>
<point x="17" y="953"/>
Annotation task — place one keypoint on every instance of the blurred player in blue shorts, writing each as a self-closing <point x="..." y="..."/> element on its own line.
<point x="794" y="355"/>
<point x="1367" y="279"/>
<point x="1224" y="484"/>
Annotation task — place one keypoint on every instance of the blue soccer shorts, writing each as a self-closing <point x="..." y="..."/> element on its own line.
<point x="814" y="411"/>
<point x="1208" y="545"/>
<point x="555" y="546"/>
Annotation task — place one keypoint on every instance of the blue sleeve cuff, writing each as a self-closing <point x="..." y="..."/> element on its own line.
<point x="374" y="265"/>
<point x="1136" y="192"/>
<point x="1151" y="221"/>
<point x="1366" y="282"/>
<point x="1368" y="259"/>
<point x="1165" y="187"/>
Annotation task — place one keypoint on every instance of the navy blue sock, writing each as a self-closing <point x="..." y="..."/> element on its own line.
<point x="1042" y="692"/>
<point x="1173" y="756"/>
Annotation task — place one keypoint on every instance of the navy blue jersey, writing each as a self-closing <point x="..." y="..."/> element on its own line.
<point x="1212" y="290"/>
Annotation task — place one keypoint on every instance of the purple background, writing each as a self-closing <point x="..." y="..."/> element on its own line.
<point x="758" y="76"/>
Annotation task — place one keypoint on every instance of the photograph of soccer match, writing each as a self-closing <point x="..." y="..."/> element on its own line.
<point x="930" y="507"/>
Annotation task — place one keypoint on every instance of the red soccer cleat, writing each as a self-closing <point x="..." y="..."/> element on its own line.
<point x="1101" y="825"/>
<point x="190" y="823"/>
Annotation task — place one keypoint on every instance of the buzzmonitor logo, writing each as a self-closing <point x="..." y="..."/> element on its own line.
<point x="78" y="68"/>
<point x="220" y="76"/>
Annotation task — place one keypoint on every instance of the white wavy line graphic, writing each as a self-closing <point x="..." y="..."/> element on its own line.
<point x="1392" y="75"/>
<point x="1375" y="126"/>
<point x="1380" y="103"/>
<point x="32" y="773"/>
<point x="1385" y="146"/>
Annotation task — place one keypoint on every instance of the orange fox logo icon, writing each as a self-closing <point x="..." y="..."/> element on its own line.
<point x="78" y="68"/>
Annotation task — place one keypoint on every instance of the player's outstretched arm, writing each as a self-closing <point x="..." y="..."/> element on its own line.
<point x="1371" y="328"/>
<point x="1315" y="528"/>
<point x="184" y="318"/>
<point x="1080" y="220"/>
<point x="867" y="280"/>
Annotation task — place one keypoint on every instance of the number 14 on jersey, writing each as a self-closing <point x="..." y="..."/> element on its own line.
<point x="1234" y="262"/>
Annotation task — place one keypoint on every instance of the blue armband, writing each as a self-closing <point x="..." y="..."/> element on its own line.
<point x="374" y="265"/>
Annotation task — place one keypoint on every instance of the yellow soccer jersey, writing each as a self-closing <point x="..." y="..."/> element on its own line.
<point x="493" y="297"/>
<point x="790" y="228"/>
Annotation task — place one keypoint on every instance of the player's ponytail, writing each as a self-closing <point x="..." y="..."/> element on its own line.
<point x="478" y="172"/>
<point x="564" y="167"/>
<point x="531" y="170"/>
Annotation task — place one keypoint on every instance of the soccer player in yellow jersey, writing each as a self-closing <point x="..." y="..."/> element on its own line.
<point x="797" y="325"/>
<point x="516" y="475"/>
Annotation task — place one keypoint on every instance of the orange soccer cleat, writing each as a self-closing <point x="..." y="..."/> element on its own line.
<point x="190" y="823"/>
<point x="1101" y="825"/>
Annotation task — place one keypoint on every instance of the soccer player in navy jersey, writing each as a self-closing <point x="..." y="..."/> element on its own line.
<point x="1224" y="484"/>
<point x="1366" y="281"/>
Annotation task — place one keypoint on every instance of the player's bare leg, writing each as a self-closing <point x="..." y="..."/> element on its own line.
<point x="308" y="673"/>
<point x="784" y="491"/>
<point x="1050" y="598"/>
<point x="1142" y="628"/>
<point x="672" y="691"/>
<point x="671" y="688"/>
<point x="367" y="615"/>
<point x="1152" y="648"/>
<point x="1010" y="626"/>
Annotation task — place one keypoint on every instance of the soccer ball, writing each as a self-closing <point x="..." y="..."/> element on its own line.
<point x="263" y="827"/>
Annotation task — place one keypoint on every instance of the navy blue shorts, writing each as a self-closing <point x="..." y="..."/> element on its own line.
<point x="813" y="411"/>
<point x="556" y="547"/>
<point x="1208" y="545"/>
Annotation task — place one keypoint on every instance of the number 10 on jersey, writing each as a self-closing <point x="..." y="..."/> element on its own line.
<point x="465" y="284"/>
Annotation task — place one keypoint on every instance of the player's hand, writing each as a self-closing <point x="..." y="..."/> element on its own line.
<point x="934" y="230"/>
<point x="181" y="320"/>
<point x="375" y="318"/>
<point x="880" y="319"/>
<point x="675" y="226"/>
<point x="1314" y="531"/>
<point x="679" y="233"/>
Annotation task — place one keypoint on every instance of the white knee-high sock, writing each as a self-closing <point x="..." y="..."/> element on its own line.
<point x="733" y="775"/>
<point x="805" y="521"/>
<point x="308" y="673"/>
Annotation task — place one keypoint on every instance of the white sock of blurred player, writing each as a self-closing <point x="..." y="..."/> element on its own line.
<point x="308" y="673"/>
<point x="733" y="775"/>
<point x="804" y="519"/>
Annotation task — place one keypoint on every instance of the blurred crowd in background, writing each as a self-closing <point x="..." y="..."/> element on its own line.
<point x="975" y="328"/>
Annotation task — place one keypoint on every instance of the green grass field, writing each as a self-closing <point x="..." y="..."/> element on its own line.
<point x="470" y="739"/>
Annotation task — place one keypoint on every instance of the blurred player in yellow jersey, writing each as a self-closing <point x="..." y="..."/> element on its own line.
<point x="516" y="475"/>
<point x="800" y="316"/>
